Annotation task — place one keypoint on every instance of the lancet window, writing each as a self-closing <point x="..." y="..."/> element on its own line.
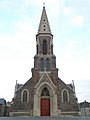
<point x="47" y="64"/>
<point x="45" y="92"/>
<point x="65" y="96"/>
<point x="25" y="96"/>
<point x="44" y="47"/>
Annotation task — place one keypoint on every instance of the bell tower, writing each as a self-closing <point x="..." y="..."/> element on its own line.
<point x="44" y="60"/>
<point x="44" y="37"/>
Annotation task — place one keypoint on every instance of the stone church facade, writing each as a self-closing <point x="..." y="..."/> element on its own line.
<point x="44" y="94"/>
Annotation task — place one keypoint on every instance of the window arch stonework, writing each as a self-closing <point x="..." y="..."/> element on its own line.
<point x="42" y="64"/>
<point x="44" y="47"/>
<point x="45" y="92"/>
<point x="47" y="64"/>
<point x="65" y="96"/>
<point x="25" y="96"/>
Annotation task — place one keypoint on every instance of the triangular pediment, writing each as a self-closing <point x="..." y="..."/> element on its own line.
<point x="45" y="79"/>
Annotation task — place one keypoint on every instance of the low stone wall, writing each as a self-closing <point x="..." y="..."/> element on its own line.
<point x="71" y="113"/>
<point x="15" y="114"/>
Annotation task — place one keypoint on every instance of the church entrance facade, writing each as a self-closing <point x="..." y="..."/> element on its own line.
<point x="45" y="100"/>
<point x="44" y="94"/>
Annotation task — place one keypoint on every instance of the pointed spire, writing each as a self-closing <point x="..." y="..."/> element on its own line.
<point x="44" y="24"/>
<point x="43" y="4"/>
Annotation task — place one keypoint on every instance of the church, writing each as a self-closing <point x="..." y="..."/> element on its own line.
<point x="44" y="94"/>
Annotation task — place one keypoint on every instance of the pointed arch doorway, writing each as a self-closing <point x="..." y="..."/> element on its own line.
<point x="45" y="102"/>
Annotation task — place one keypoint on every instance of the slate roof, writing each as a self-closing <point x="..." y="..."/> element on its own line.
<point x="19" y="85"/>
<point x="70" y="85"/>
<point x="2" y="101"/>
<point x="84" y="104"/>
<point x="44" y="26"/>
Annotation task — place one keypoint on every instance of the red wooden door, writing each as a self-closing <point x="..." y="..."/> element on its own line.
<point x="45" y="107"/>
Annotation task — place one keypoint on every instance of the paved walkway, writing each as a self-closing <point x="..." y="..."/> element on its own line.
<point x="44" y="118"/>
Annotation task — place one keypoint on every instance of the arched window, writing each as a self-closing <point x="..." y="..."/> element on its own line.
<point x="25" y="95"/>
<point x="65" y="96"/>
<point x="37" y="48"/>
<point x="42" y="64"/>
<point x="51" y="49"/>
<point x="47" y="64"/>
<point x="44" y="47"/>
<point x="45" y="92"/>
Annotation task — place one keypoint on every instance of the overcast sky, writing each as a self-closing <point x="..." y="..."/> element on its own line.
<point x="70" y="24"/>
